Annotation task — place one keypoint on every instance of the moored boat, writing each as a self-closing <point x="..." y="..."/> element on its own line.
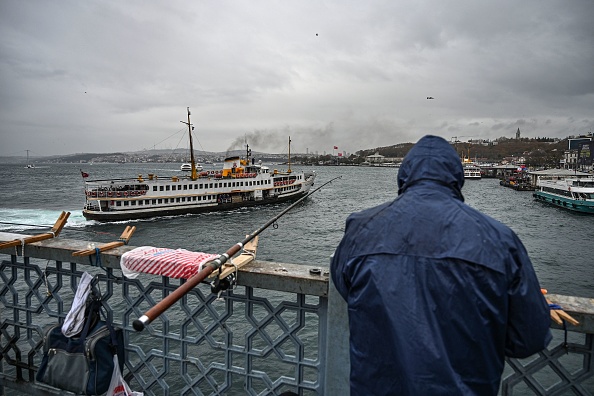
<point x="573" y="193"/>
<point x="472" y="171"/>
<point x="240" y="183"/>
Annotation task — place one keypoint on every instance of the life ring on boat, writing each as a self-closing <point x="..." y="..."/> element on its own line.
<point x="101" y="195"/>
<point x="118" y="194"/>
<point x="133" y="193"/>
<point x="110" y="194"/>
<point x="126" y="193"/>
<point x="143" y="192"/>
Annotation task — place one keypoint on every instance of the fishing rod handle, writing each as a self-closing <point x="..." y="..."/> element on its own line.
<point x="150" y="315"/>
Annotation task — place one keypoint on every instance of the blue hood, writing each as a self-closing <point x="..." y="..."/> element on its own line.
<point x="432" y="158"/>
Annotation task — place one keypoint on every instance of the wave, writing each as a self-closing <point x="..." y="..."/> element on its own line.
<point x="13" y="220"/>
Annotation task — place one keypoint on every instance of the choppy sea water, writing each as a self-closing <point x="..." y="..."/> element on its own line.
<point x="560" y="243"/>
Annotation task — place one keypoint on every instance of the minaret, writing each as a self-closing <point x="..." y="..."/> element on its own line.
<point x="518" y="134"/>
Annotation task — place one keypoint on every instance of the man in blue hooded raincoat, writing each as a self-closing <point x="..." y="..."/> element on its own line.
<point x="437" y="292"/>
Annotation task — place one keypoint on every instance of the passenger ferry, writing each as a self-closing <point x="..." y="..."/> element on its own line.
<point x="472" y="172"/>
<point x="574" y="193"/>
<point x="240" y="183"/>
<point x="471" y="169"/>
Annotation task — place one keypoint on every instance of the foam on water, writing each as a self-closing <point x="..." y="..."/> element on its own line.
<point x="16" y="220"/>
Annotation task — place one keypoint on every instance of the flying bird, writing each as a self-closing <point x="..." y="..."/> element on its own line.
<point x="430" y="97"/>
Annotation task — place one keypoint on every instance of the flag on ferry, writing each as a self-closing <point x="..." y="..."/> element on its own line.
<point x="340" y="154"/>
<point x="84" y="174"/>
<point x="335" y="147"/>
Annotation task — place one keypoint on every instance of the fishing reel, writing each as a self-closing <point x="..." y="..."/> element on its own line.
<point x="218" y="285"/>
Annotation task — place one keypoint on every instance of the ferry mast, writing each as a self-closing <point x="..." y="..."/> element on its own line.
<point x="289" y="170"/>
<point x="193" y="162"/>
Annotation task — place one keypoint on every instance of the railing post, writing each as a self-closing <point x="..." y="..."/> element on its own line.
<point x="338" y="364"/>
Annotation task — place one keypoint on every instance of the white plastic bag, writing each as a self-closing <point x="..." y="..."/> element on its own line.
<point x="117" y="386"/>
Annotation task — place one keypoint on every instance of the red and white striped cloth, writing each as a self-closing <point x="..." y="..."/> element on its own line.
<point x="173" y="263"/>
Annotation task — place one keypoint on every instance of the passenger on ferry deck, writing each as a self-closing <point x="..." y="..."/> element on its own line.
<point x="437" y="292"/>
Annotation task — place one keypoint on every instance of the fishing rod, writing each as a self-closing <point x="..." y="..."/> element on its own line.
<point x="208" y="268"/>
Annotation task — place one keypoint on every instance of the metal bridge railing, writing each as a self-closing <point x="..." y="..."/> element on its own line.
<point x="283" y="328"/>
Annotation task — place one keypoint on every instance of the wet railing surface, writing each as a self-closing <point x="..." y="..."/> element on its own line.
<point x="282" y="328"/>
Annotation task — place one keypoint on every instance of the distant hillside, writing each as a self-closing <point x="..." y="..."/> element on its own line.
<point x="491" y="151"/>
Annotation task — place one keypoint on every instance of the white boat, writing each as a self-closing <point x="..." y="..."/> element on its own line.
<point x="472" y="172"/>
<point x="471" y="169"/>
<point x="29" y="165"/>
<point x="389" y="165"/>
<point x="572" y="193"/>
<point x="187" y="167"/>
<point x="240" y="183"/>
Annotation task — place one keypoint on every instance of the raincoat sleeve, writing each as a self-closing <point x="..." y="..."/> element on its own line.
<point x="529" y="319"/>
<point x="338" y="265"/>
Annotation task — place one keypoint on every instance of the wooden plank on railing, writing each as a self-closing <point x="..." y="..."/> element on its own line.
<point x="123" y="240"/>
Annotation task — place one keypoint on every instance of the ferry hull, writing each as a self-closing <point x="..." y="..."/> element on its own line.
<point x="124" y="215"/>
<point x="565" y="203"/>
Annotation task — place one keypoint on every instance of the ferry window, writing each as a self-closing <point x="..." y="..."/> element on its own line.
<point x="119" y="203"/>
<point x="133" y="203"/>
<point x="185" y="186"/>
<point x="166" y="188"/>
<point x="177" y="200"/>
<point x="126" y="203"/>
<point x="154" y="201"/>
<point x="141" y="202"/>
<point x="210" y="185"/>
<point x="154" y="188"/>
<point x="201" y="186"/>
<point x="159" y="201"/>
<point x="161" y="188"/>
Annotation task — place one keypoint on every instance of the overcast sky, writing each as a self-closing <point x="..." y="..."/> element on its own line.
<point x="106" y="76"/>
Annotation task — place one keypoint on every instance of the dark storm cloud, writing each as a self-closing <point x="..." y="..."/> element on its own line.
<point x="112" y="76"/>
